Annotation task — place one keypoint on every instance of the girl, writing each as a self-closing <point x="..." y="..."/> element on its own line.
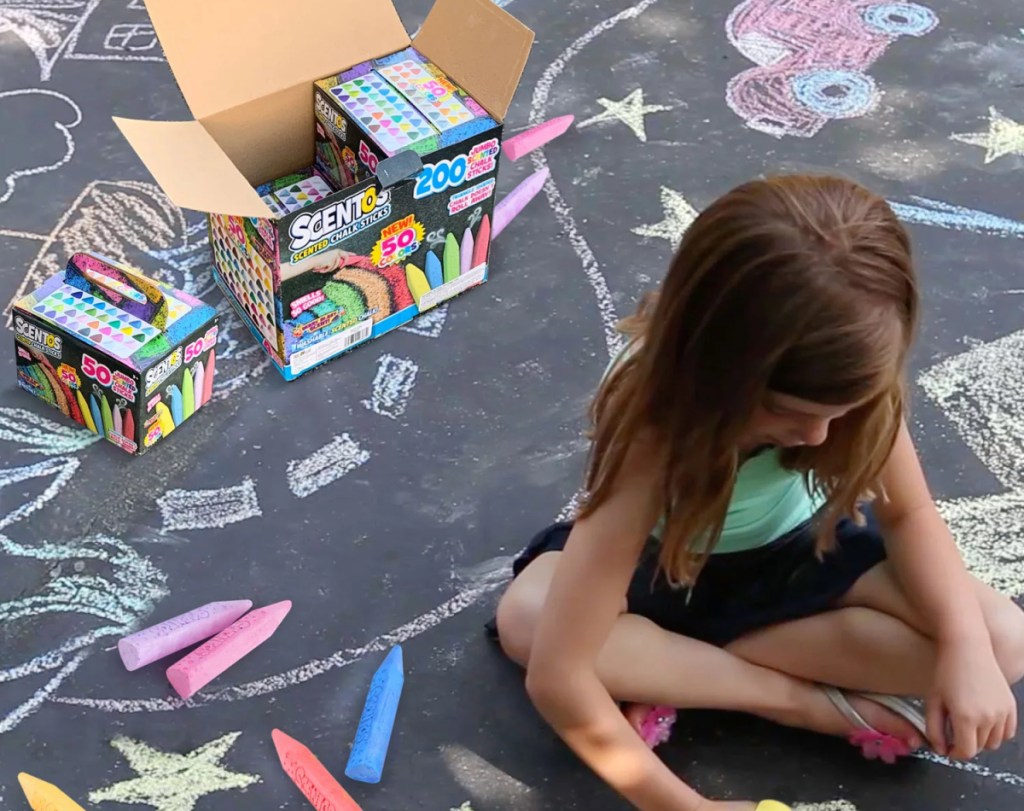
<point x="722" y="559"/>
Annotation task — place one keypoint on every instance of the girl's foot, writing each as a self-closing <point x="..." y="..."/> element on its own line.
<point x="653" y="724"/>
<point x="884" y="727"/>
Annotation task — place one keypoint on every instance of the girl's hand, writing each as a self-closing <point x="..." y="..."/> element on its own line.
<point x="972" y="693"/>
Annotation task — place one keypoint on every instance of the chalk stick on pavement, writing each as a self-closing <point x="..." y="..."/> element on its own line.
<point x="43" y="796"/>
<point x="370" y="748"/>
<point x="313" y="780"/>
<point x="189" y="675"/>
<point x="515" y="201"/>
<point x="529" y="140"/>
<point x="177" y="633"/>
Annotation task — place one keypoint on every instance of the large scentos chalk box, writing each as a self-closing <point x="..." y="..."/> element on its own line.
<point x="314" y="273"/>
<point x="129" y="357"/>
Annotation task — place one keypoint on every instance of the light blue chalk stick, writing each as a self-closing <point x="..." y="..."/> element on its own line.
<point x="177" y="404"/>
<point x="435" y="276"/>
<point x="370" y="748"/>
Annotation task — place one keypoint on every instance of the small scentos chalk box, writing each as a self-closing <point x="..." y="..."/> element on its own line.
<point x="379" y="108"/>
<point x="127" y="356"/>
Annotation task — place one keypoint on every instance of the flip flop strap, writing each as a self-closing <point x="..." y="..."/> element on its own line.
<point x="900" y="707"/>
<point x="838" y="700"/>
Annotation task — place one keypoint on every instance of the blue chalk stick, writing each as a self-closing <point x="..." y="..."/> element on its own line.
<point x="177" y="404"/>
<point x="370" y="748"/>
<point x="435" y="277"/>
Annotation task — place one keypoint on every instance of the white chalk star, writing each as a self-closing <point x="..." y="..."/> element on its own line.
<point x="168" y="781"/>
<point x="630" y="111"/>
<point x="1003" y="137"/>
<point x="679" y="215"/>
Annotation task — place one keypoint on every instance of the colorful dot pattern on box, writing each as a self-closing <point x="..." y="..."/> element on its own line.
<point x="385" y="114"/>
<point x="249" y="278"/>
<point x="417" y="84"/>
<point x="98" y="322"/>
<point x="298" y="195"/>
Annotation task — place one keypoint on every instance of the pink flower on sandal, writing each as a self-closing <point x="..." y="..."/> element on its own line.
<point x="656" y="727"/>
<point x="879" y="746"/>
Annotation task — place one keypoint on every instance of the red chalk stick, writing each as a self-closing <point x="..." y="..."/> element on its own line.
<point x="481" y="242"/>
<point x="525" y="142"/>
<point x="515" y="201"/>
<point x="314" y="781"/>
<point x="189" y="675"/>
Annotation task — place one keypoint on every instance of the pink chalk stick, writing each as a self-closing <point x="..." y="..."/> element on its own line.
<point x="466" y="252"/>
<point x="189" y="675"/>
<point x="515" y="201"/>
<point x="525" y="142"/>
<point x="171" y="636"/>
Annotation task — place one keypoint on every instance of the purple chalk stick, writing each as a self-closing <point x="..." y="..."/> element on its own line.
<point x="525" y="142"/>
<point x="515" y="201"/>
<point x="171" y="636"/>
<point x="466" y="252"/>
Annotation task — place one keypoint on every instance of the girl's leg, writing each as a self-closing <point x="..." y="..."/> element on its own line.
<point x="882" y="639"/>
<point x="645" y="664"/>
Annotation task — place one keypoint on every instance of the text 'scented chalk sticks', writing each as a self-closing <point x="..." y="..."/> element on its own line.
<point x="370" y="748"/>
<point x="43" y="796"/>
<point x="178" y="633"/>
<point x="515" y="201"/>
<point x="314" y="781"/>
<point x="525" y="142"/>
<point x="189" y="675"/>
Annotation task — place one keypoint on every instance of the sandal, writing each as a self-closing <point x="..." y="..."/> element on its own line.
<point x="874" y="744"/>
<point x="656" y="728"/>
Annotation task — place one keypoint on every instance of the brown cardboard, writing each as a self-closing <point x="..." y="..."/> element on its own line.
<point x="482" y="47"/>
<point x="228" y="52"/>
<point x="191" y="167"/>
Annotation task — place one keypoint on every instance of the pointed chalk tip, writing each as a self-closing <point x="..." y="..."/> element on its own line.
<point x="26" y="780"/>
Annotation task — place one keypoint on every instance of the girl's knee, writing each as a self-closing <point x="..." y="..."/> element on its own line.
<point x="517" y="616"/>
<point x="1006" y="629"/>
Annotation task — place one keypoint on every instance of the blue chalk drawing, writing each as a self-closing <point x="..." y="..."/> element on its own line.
<point x="900" y="19"/>
<point x="924" y="211"/>
<point x="366" y="762"/>
<point x="835" y="93"/>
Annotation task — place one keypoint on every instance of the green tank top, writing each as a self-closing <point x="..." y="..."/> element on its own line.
<point x="767" y="501"/>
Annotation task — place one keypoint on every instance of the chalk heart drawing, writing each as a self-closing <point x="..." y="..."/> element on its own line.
<point x="812" y="59"/>
<point x="30" y="149"/>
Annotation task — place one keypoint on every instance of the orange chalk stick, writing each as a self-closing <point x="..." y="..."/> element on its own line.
<point x="43" y="796"/>
<point x="314" y="781"/>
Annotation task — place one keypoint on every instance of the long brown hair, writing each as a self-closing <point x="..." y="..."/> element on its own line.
<point x="799" y="285"/>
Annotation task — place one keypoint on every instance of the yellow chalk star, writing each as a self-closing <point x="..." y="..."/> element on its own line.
<point x="630" y="111"/>
<point x="679" y="215"/>
<point x="1004" y="137"/>
<point x="169" y="781"/>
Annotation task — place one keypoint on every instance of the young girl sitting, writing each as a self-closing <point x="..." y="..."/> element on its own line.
<point x="758" y="535"/>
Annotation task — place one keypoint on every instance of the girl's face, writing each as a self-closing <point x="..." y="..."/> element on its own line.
<point x="787" y="422"/>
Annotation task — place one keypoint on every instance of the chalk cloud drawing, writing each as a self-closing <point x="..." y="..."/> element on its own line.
<point x="99" y="582"/>
<point x="209" y="509"/>
<point x="38" y="151"/>
<point x="1004" y="136"/>
<point x="679" y="215"/>
<point x="169" y="781"/>
<point x="325" y="465"/>
<point x="812" y="59"/>
<point x="631" y="111"/>
<point x="135" y="223"/>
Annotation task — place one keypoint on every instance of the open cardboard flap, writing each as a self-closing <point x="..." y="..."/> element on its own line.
<point x="227" y="52"/>
<point x="482" y="47"/>
<point x="191" y="168"/>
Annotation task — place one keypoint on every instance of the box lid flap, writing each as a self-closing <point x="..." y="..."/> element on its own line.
<point x="244" y="49"/>
<point x="482" y="47"/>
<point x="191" y="168"/>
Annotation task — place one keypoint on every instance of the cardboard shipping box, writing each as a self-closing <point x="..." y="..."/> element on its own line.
<point x="314" y="269"/>
<point x="129" y="357"/>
